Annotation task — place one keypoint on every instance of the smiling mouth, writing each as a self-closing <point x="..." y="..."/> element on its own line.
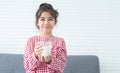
<point x="47" y="27"/>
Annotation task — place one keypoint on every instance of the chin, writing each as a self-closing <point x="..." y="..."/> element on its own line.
<point x="47" y="31"/>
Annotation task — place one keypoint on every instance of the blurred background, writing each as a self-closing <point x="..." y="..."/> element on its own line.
<point x="89" y="27"/>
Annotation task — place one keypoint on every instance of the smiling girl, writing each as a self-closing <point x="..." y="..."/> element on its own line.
<point x="34" y="61"/>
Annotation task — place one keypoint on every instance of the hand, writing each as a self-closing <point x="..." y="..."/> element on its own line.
<point x="44" y="58"/>
<point x="38" y="50"/>
<point x="47" y="58"/>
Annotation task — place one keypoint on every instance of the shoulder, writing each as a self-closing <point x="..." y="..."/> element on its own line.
<point x="59" y="38"/>
<point x="32" y="38"/>
<point x="59" y="41"/>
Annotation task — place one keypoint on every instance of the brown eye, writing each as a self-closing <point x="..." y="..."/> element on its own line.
<point x="50" y="19"/>
<point x="42" y="19"/>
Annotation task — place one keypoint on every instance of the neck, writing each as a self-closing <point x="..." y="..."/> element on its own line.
<point x="46" y="34"/>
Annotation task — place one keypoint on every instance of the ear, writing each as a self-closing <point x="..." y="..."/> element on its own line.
<point x="37" y="25"/>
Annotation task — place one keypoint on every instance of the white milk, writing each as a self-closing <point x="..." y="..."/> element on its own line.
<point x="47" y="46"/>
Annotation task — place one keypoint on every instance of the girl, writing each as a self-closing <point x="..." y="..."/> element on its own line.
<point x="34" y="60"/>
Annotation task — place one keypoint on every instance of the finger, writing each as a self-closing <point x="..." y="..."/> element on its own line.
<point x="46" y="59"/>
<point x="38" y="51"/>
<point x="42" y="59"/>
<point x="38" y="46"/>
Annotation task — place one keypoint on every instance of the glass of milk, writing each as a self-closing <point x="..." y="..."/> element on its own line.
<point x="46" y="46"/>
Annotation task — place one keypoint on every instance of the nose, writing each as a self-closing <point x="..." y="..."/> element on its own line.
<point x="46" y="22"/>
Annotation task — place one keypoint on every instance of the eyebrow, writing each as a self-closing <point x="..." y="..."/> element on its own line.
<point x="45" y="17"/>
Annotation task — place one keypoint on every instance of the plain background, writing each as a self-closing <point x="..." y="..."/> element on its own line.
<point x="89" y="27"/>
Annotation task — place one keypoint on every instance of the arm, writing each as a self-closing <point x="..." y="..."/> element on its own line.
<point x="58" y="58"/>
<point x="30" y="61"/>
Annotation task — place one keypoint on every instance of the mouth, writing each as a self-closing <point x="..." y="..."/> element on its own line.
<point x="47" y="27"/>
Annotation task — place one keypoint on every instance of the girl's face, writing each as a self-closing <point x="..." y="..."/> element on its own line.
<point x="46" y="23"/>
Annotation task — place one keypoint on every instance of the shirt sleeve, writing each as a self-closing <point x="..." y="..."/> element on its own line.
<point x="58" y="58"/>
<point x="30" y="61"/>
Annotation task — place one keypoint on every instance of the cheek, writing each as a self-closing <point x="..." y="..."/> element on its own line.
<point x="53" y="23"/>
<point x="39" y="23"/>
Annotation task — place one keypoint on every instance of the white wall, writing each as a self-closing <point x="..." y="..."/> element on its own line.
<point x="89" y="27"/>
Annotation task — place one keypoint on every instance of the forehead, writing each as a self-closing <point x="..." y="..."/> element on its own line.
<point x="46" y="15"/>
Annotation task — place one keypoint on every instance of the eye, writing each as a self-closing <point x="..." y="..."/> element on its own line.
<point x="42" y="19"/>
<point x="50" y="19"/>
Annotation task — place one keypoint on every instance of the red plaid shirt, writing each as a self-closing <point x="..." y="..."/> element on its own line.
<point x="56" y="65"/>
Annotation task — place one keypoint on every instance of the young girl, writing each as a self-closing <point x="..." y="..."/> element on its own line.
<point x="34" y="60"/>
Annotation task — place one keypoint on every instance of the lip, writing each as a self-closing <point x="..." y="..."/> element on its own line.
<point x="46" y="27"/>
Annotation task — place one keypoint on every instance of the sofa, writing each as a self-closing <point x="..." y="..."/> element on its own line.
<point x="13" y="63"/>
